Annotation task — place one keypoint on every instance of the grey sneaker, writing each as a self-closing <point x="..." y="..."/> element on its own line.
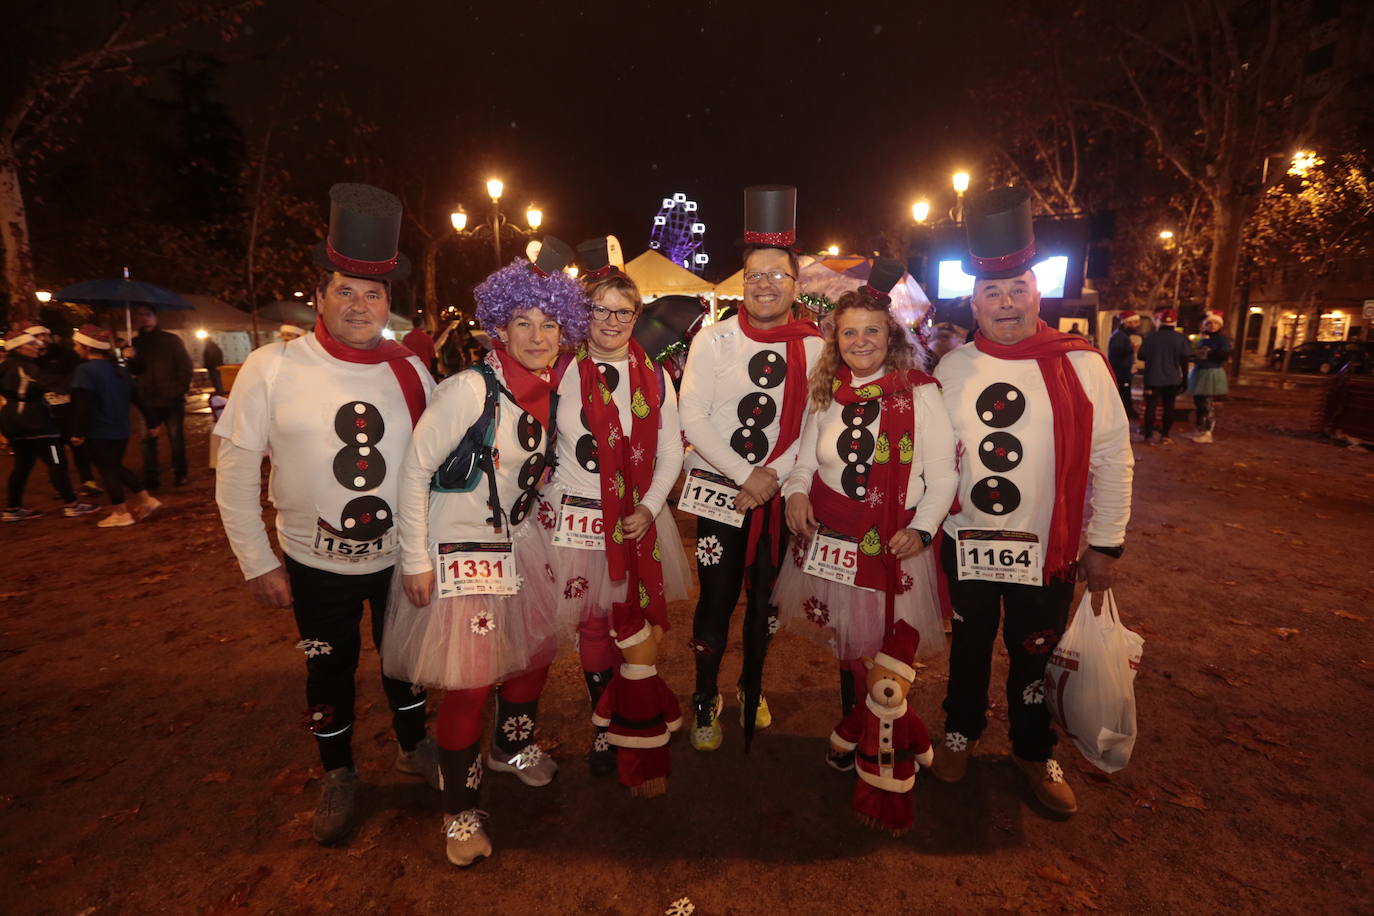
<point x="334" y="813"/>
<point x="78" y="509"/>
<point x="530" y="764"/>
<point x="423" y="761"/>
<point x="465" y="840"/>
<point x="20" y="514"/>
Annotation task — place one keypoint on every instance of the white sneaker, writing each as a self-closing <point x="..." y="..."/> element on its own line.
<point x="1203" y="438"/>
<point x="116" y="520"/>
<point x="530" y="764"/>
<point x="465" y="840"/>
<point x="147" y="509"/>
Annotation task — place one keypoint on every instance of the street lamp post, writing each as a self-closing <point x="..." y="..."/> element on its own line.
<point x="534" y="218"/>
<point x="960" y="181"/>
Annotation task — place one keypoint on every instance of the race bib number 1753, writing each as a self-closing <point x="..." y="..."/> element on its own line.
<point x="712" y="496"/>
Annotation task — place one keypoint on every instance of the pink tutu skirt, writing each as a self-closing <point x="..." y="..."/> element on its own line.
<point x="581" y="577"/>
<point x="476" y="640"/>
<point x="849" y="619"/>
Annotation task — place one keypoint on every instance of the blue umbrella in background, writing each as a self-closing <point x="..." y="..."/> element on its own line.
<point x="122" y="293"/>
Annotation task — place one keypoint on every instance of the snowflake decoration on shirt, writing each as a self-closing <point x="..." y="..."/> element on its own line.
<point x="1034" y="693"/>
<point x="637" y="454"/>
<point x="602" y="743"/>
<point x="474" y="774"/>
<point x="956" y="741"/>
<point x="575" y="587"/>
<point x="1039" y="642"/>
<point x="904" y="583"/>
<point x="482" y="623"/>
<point x="816" y="611"/>
<point x="683" y="906"/>
<point x="954" y="615"/>
<point x="518" y="728"/>
<point x="874" y="499"/>
<point x="774" y="624"/>
<point x="709" y="550"/>
<point x="314" y="647"/>
<point x="547" y="517"/>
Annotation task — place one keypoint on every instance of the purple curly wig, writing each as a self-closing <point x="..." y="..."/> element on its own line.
<point x="515" y="288"/>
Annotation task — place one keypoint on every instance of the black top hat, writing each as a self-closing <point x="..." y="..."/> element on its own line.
<point x="1001" y="239"/>
<point x="364" y="226"/>
<point x="554" y="255"/>
<point x="770" y="215"/>
<point x="884" y="275"/>
<point x="595" y="257"/>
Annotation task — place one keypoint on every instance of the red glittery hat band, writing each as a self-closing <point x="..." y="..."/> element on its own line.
<point x="874" y="293"/>
<point x="780" y="239"/>
<point x="1006" y="261"/>
<point x="354" y="266"/>
<point x="602" y="273"/>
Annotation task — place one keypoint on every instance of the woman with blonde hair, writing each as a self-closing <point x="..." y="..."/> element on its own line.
<point x="874" y="479"/>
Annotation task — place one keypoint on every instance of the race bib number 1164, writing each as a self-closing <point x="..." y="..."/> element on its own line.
<point x="999" y="556"/>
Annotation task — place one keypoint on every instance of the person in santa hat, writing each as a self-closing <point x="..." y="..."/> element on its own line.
<point x="1165" y="353"/>
<point x="1121" y="350"/>
<point x="1038" y="417"/>
<point x="1207" y="382"/>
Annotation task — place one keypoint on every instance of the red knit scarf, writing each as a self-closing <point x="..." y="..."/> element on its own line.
<point x="794" y="334"/>
<point x="1073" y="432"/>
<point x="882" y="511"/>
<point x="532" y="390"/>
<point x="390" y="352"/>
<point x="627" y="470"/>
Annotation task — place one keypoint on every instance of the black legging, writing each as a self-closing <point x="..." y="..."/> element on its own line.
<point x="108" y="455"/>
<point x="1159" y="396"/>
<point x="27" y="453"/>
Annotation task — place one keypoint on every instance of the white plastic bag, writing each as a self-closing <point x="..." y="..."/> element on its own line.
<point x="1090" y="684"/>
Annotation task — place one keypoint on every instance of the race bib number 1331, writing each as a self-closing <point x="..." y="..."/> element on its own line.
<point x="473" y="568"/>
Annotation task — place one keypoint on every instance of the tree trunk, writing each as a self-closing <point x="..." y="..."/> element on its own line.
<point x="14" y="238"/>
<point x="432" y="283"/>
<point x="1228" y="220"/>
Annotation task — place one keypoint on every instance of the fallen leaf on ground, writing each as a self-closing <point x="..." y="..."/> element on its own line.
<point x="1053" y="873"/>
<point x="154" y="578"/>
<point x="1184" y="794"/>
<point x="291" y="781"/>
<point x="245" y="888"/>
<point x="216" y="776"/>
<point x="1235" y="525"/>
<point x="1284" y="632"/>
<point x="1221" y="674"/>
<point x="1349" y="616"/>
<point x="1238" y="622"/>
<point x="124" y="814"/>
<point x="6" y="596"/>
<point x="1127" y="830"/>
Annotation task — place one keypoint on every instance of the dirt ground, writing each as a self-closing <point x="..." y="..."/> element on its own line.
<point x="153" y="757"/>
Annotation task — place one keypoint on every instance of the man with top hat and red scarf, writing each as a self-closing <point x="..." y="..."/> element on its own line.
<point x="741" y="404"/>
<point x="1038" y="418"/>
<point x="335" y="410"/>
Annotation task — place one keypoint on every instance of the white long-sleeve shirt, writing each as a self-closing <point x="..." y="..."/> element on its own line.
<point x="334" y="496"/>
<point x="932" y="477"/>
<point x="731" y="401"/>
<point x="575" y="442"/>
<point x="1001" y="414"/>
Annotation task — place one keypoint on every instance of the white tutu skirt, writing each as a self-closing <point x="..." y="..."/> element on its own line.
<point x="582" y="578"/>
<point x="476" y="640"/>
<point x="849" y="619"/>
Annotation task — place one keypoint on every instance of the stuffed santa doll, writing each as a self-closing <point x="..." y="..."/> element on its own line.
<point x="637" y="709"/>
<point x="888" y="739"/>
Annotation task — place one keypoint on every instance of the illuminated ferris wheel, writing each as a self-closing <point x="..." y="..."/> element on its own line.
<point x="678" y="233"/>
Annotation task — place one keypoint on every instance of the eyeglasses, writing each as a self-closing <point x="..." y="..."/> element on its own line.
<point x="624" y="316"/>
<point x="777" y="276"/>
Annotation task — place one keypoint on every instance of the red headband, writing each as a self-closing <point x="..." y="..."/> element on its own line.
<point x="354" y="266"/>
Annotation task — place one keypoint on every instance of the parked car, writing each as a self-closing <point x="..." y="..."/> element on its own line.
<point x="1326" y="356"/>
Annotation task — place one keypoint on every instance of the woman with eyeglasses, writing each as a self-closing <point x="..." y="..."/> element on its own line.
<point x="874" y="479"/>
<point x="619" y="453"/>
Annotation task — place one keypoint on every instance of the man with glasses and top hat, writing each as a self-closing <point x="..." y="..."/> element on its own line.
<point x="1038" y="418"/>
<point x="743" y="394"/>
<point x="335" y="408"/>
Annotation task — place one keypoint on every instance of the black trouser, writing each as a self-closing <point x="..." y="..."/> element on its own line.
<point x="1163" y="397"/>
<point x="1124" y="389"/>
<point x="720" y="584"/>
<point x="109" y="458"/>
<point x="172" y="419"/>
<point x="27" y="453"/>
<point x="1034" y="621"/>
<point x="329" y="614"/>
<point x="81" y="458"/>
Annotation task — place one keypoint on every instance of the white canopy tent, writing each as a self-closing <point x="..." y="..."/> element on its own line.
<point x="657" y="276"/>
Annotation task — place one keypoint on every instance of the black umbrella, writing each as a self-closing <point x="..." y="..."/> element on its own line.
<point x="122" y="293"/>
<point x="666" y="321"/>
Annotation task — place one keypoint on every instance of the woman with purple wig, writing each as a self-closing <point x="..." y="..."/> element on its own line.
<point x="475" y="605"/>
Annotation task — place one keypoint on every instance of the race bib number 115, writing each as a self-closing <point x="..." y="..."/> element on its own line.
<point x="472" y="568"/>
<point x="999" y="556"/>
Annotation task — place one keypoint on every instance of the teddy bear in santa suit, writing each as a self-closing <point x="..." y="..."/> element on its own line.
<point x="889" y="740"/>
<point x="637" y="709"/>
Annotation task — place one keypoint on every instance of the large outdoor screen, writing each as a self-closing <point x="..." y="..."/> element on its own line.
<point x="1050" y="275"/>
